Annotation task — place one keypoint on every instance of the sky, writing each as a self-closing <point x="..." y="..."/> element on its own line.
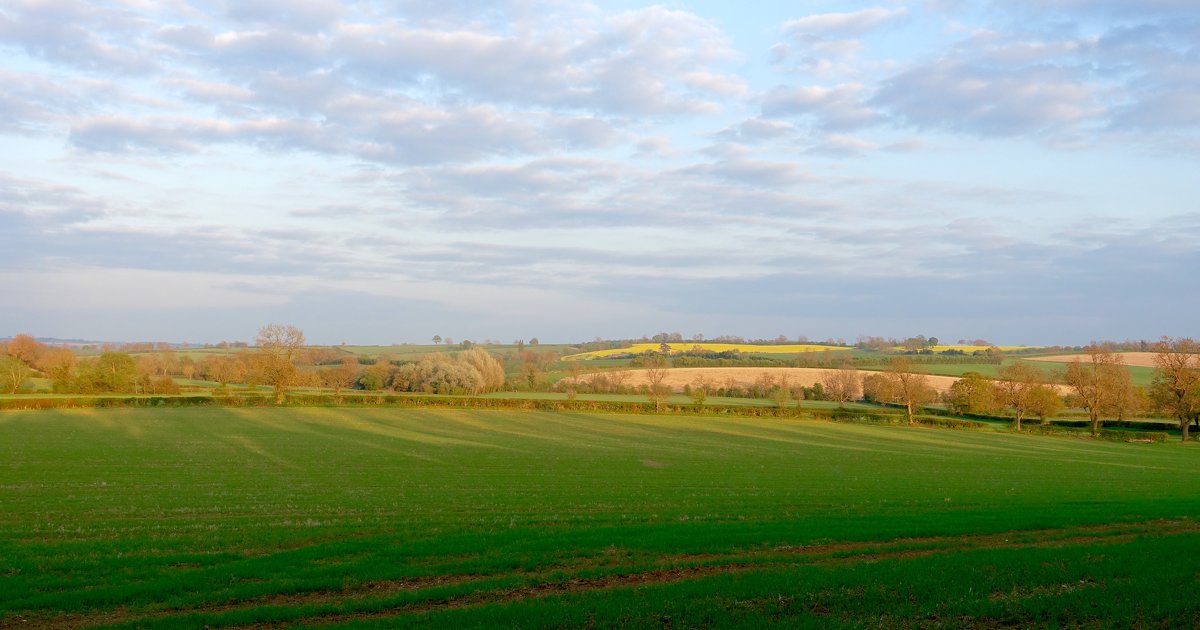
<point x="379" y="172"/>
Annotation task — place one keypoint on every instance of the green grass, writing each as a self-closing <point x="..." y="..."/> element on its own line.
<point x="477" y="518"/>
<point x="680" y="399"/>
<point x="414" y="351"/>
<point x="1141" y="375"/>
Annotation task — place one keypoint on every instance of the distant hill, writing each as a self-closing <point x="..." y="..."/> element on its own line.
<point x="74" y="343"/>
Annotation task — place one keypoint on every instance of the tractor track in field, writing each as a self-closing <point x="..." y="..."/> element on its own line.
<point x="549" y="582"/>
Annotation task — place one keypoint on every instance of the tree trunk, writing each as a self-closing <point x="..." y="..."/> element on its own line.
<point x="1095" y="425"/>
<point x="278" y="394"/>
<point x="1019" y="414"/>
<point x="1184" y="426"/>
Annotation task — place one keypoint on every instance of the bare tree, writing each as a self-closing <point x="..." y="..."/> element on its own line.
<point x="534" y="366"/>
<point x="574" y="377"/>
<point x="24" y="348"/>
<point x="274" y="363"/>
<point x="909" y="387"/>
<point x="656" y="367"/>
<point x="340" y="377"/>
<point x="1018" y="388"/>
<point x="700" y="388"/>
<point x="1128" y="399"/>
<point x="59" y="365"/>
<point x="13" y="374"/>
<point x="782" y="394"/>
<point x="1095" y="382"/>
<point x="842" y="385"/>
<point x="225" y="370"/>
<point x="1176" y="386"/>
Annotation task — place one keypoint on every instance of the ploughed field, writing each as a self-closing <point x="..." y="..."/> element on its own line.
<point x="478" y="518"/>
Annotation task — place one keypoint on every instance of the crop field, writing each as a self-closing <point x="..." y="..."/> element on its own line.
<point x="415" y="351"/>
<point x="969" y="349"/>
<point x="677" y="378"/>
<point x="744" y="348"/>
<point x="193" y="517"/>
<point x="1050" y="365"/>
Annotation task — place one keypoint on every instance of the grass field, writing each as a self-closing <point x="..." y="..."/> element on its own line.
<point x="1140" y="375"/>
<point x="473" y="518"/>
<point x="415" y="351"/>
<point x="969" y="349"/>
<point x="744" y="348"/>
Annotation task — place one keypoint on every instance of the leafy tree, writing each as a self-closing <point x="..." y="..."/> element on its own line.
<point x="376" y="376"/>
<point x="437" y="339"/>
<point x="877" y="388"/>
<point x="438" y="374"/>
<point x="274" y="363"/>
<point x="488" y="367"/>
<point x="973" y="394"/>
<point x="1045" y="403"/>
<point x="13" y="374"/>
<point x="471" y="372"/>
<point x="699" y="390"/>
<point x="110" y="372"/>
<point x="1176" y="386"/>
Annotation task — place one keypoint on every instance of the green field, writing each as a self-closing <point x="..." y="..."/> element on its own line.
<point x="1142" y="376"/>
<point x="431" y="518"/>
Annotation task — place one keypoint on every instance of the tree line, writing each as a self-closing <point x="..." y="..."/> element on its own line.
<point x="1100" y="384"/>
<point x="278" y="359"/>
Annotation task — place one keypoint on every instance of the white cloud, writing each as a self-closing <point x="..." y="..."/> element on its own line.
<point x="449" y="151"/>
<point x="77" y="289"/>
<point x="849" y="23"/>
<point x="989" y="101"/>
<point x="840" y="107"/>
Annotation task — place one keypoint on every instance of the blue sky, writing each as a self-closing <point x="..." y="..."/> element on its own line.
<point x="379" y="172"/>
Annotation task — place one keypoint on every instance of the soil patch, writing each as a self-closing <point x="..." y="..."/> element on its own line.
<point x="1135" y="359"/>
<point x="746" y="376"/>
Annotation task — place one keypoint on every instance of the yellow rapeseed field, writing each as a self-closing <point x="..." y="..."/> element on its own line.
<point x="684" y="346"/>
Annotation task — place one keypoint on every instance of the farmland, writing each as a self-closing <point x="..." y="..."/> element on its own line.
<point x="383" y="517"/>
<point x="969" y="349"/>
<point x="745" y="348"/>
<point x="677" y="378"/>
